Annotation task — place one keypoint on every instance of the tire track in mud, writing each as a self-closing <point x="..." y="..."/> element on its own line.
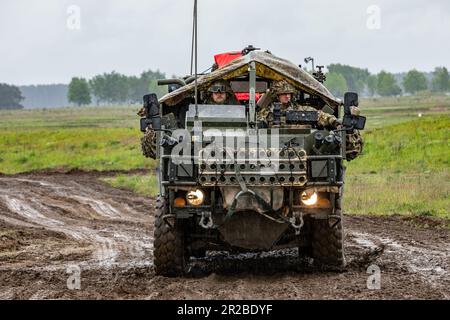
<point x="64" y="219"/>
<point x="119" y="234"/>
<point x="429" y="262"/>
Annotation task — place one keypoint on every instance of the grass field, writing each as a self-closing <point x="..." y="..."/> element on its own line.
<point x="385" y="111"/>
<point x="71" y="138"/>
<point x="404" y="168"/>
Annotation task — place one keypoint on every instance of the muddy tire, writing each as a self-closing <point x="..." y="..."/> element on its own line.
<point x="169" y="251"/>
<point x="328" y="244"/>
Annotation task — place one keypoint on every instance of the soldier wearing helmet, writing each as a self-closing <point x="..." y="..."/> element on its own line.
<point x="220" y="92"/>
<point x="284" y="93"/>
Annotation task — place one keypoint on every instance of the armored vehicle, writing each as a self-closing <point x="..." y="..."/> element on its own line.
<point x="230" y="182"/>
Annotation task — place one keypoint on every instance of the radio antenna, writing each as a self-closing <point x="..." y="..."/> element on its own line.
<point x="195" y="55"/>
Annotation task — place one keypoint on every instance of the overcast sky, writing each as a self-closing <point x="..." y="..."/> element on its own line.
<point x="40" y="41"/>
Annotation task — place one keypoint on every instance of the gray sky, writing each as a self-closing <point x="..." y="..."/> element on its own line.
<point x="129" y="36"/>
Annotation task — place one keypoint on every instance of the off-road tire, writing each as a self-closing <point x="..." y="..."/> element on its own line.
<point x="328" y="239"/>
<point x="169" y="252"/>
<point x="328" y="244"/>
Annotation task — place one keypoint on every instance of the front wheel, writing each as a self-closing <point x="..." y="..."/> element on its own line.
<point x="328" y="244"/>
<point x="169" y="252"/>
<point x="328" y="239"/>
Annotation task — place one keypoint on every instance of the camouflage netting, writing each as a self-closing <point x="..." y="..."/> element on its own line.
<point x="267" y="66"/>
<point x="148" y="144"/>
<point x="354" y="145"/>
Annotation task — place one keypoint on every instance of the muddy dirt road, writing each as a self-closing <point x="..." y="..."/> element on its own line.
<point x="52" y="225"/>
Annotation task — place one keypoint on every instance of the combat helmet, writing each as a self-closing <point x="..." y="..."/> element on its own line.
<point x="282" y="87"/>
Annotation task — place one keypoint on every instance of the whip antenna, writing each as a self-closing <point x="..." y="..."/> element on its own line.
<point x="194" y="47"/>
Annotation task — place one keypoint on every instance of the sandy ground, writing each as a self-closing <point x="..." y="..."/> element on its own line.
<point x="53" y="226"/>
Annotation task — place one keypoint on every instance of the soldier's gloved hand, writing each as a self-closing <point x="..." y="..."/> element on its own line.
<point x="354" y="111"/>
<point x="142" y="112"/>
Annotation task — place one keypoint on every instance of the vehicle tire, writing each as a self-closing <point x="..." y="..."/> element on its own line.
<point x="169" y="252"/>
<point x="328" y="241"/>
<point x="327" y="244"/>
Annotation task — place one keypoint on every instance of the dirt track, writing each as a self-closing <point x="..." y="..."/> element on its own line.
<point x="49" y="222"/>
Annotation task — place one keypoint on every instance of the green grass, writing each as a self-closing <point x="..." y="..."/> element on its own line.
<point x="104" y="138"/>
<point x="404" y="170"/>
<point x="146" y="185"/>
<point x="74" y="117"/>
<point x="417" y="146"/>
<point x="73" y="148"/>
<point x="419" y="194"/>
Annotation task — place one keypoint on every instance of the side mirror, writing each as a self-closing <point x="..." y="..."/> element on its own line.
<point x="354" y="122"/>
<point x="351" y="121"/>
<point x="151" y="106"/>
<point x="350" y="99"/>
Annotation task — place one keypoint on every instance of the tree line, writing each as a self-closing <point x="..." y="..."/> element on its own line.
<point x="10" y="97"/>
<point x="342" y="78"/>
<point x="114" y="88"/>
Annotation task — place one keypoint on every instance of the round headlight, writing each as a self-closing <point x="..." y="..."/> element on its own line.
<point x="309" y="198"/>
<point x="195" y="197"/>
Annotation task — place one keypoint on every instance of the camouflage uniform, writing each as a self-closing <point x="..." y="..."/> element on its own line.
<point x="221" y="86"/>
<point x="283" y="87"/>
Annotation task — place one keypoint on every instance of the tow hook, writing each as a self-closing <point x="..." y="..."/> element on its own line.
<point x="297" y="222"/>
<point x="206" y="221"/>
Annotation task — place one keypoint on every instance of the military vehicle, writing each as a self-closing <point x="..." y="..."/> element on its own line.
<point x="231" y="183"/>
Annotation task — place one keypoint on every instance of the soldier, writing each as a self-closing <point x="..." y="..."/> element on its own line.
<point x="284" y="92"/>
<point x="220" y="92"/>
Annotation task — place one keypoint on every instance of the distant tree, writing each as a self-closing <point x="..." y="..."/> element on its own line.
<point x="10" y="97"/>
<point x="415" y="81"/>
<point x="336" y="83"/>
<point x="149" y="82"/>
<point x="356" y="78"/>
<point x="146" y="83"/>
<point x="386" y="84"/>
<point x="79" y="92"/>
<point x="98" y="88"/>
<point x="441" y="80"/>
<point x="110" y="87"/>
<point x="372" y="84"/>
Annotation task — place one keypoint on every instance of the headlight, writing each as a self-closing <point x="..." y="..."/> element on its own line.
<point x="195" y="197"/>
<point x="309" y="198"/>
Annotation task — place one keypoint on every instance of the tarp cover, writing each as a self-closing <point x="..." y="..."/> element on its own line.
<point x="267" y="66"/>
<point x="223" y="58"/>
